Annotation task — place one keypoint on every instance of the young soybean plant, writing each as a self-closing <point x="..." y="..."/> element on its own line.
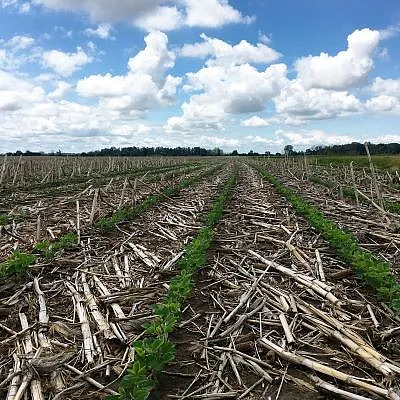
<point x="50" y="249"/>
<point x="154" y="353"/>
<point x="16" y="264"/>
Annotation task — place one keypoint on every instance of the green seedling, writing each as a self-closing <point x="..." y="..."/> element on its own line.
<point x="129" y="213"/>
<point x="49" y="249"/>
<point x="374" y="271"/>
<point x="153" y="353"/>
<point x="16" y="264"/>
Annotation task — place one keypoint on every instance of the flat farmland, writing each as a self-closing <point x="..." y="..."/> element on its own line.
<point x="198" y="278"/>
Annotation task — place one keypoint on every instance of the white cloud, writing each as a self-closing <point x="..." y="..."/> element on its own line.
<point x="20" y="42"/>
<point x="16" y="93"/>
<point x="130" y="129"/>
<point x="223" y="53"/>
<point x="143" y="129"/>
<point x="385" y="139"/>
<point x="153" y="14"/>
<point x="17" y="51"/>
<point x="62" y="88"/>
<point x="311" y="137"/>
<point x="144" y="87"/>
<point x="103" y="10"/>
<point x="8" y="3"/>
<point x="297" y="104"/>
<point x="383" y="103"/>
<point x="233" y="80"/>
<point x="346" y="69"/>
<point x="22" y="8"/>
<point x="25" y="8"/>
<point x="390" y="32"/>
<point x="226" y="90"/>
<point x="263" y="140"/>
<point x="103" y="31"/>
<point x="65" y="64"/>
<point x="300" y="138"/>
<point x="161" y="18"/>
<point x="255" y="122"/>
<point x="263" y="38"/>
<point x="155" y="59"/>
<point x="386" y="86"/>
<point x="212" y="13"/>
<point x="219" y="141"/>
<point x="91" y="46"/>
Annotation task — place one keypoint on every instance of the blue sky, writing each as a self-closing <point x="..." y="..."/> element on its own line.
<point x="81" y="75"/>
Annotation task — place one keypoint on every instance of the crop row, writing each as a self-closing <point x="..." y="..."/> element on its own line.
<point x="128" y="213"/>
<point x="350" y="192"/>
<point x="57" y="213"/>
<point x="154" y="352"/>
<point x="11" y="196"/>
<point x="374" y="271"/>
<point x="19" y="262"/>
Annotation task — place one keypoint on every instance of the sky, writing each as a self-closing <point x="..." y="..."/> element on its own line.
<point x="80" y="75"/>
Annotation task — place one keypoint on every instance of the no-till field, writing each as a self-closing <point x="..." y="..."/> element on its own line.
<point x="275" y="314"/>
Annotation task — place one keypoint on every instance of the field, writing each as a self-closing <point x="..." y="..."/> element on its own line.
<point x="381" y="161"/>
<point x="199" y="278"/>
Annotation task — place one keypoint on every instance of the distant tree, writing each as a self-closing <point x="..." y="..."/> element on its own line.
<point x="217" y="152"/>
<point x="355" y="148"/>
<point x="288" y="150"/>
<point x="234" y="153"/>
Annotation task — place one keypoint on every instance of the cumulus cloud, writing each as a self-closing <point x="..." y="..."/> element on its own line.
<point x="383" y="103"/>
<point x="65" y="64"/>
<point x="62" y="88"/>
<point x="102" y="10"/>
<point x="236" y="79"/>
<point x="230" y="83"/>
<point x="299" y="138"/>
<point x="17" y="51"/>
<point x="212" y="13"/>
<point x="21" y="7"/>
<point x="161" y="18"/>
<point x="256" y="139"/>
<point x="20" y="42"/>
<point x="346" y="69"/>
<point x="16" y="93"/>
<point x="155" y="59"/>
<point x="223" y="53"/>
<point x="297" y="104"/>
<point x="154" y="14"/>
<point x="390" y="31"/>
<point x="255" y="122"/>
<point x="312" y="137"/>
<point x="103" y="31"/>
<point x="386" y="86"/>
<point x="227" y="90"/>
<point x="146" y="84"/>
<point x="385" y="139"/>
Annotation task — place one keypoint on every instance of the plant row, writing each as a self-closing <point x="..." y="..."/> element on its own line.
<point x="156" y="172"/>
<point x="374" y="271"/>
<point x="154" y="352"/>
<point x="18" y="262"/>
<point x="128" y="213"/>
<point x="349" y="192"/>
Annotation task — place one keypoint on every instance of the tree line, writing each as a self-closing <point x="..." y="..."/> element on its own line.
<point x="354" y="148"/>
